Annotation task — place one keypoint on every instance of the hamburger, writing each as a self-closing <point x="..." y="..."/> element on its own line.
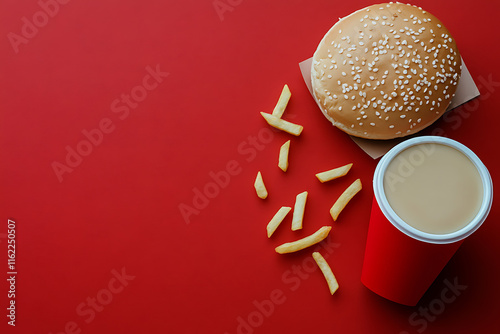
<point x="385" y="71"/>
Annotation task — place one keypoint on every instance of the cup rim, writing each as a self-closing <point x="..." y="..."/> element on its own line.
<point x="400" y="224"/>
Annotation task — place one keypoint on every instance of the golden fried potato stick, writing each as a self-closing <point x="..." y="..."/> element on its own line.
<point x="277" y="219"/>
<point x="298" y="211"/>
<point x="333" y="173"/>
<point x="310" y="240"/>
<point x="278" y="123"/>
<point x="346" y="196"/>
<point x="333" y="285"/>
<point x="283" y="157"/>
<point x="282" y="102"/>
<point x="260" y="188"/>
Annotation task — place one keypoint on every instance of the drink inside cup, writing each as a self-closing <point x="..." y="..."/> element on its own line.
<point x="434" y="188"/>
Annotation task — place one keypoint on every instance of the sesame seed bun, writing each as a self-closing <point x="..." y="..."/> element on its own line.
<point x="385" y="71"/>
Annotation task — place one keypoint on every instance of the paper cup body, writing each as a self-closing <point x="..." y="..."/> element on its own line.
<point x="400" y="261"/>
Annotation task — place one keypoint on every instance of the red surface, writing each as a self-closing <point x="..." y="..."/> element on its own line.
<point x="107" y="250"/>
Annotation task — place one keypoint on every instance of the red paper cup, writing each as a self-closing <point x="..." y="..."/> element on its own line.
<point x="400" y="261"/>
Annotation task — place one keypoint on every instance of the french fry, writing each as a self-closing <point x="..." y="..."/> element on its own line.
<point x="298" y="211"/>
<point x="260" y="187"/>
<point x="333" y="173"/>
<point x="282" y="102"/>
<point x="277" y="219"/>
<point x="283" y="158"/>
<point x="278" y="123"/>
<point x="310" y="240"/>
<point x="333" y="285"/>
<point x="346" y="196"/>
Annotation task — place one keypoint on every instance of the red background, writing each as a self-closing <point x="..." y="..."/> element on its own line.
<point x="118" y="210"/>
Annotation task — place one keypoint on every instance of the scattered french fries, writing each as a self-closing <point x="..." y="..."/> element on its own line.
<point x="346" y="196"/>
<point x="283" y="157"/>
<point x="278" y="123"/>
<point x="282" y="102"/>
<point x="277" y="219"/>
<point x="333" y="285"/>
<point x="275" y="120"/>
<point x="300" y="244"/>
<point x="298" y="211"/>
<point x="333" y="173"/>
<point x="260" y="187"/>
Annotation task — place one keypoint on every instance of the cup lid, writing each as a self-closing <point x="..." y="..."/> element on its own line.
<point x="400" y="224"/>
